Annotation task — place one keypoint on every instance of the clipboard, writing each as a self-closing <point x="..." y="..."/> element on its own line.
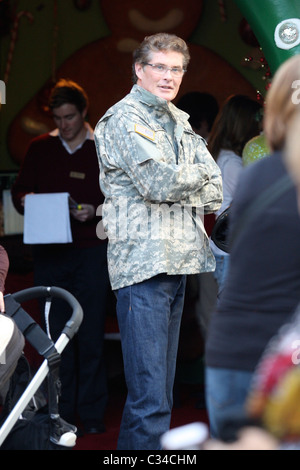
<point x="47" y="218"/>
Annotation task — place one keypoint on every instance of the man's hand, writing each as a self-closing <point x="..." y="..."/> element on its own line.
<point x="83" y="212"/>
<point x="23" y="199"/>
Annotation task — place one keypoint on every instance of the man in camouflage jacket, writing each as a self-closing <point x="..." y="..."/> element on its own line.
<point x="158" y="179"/>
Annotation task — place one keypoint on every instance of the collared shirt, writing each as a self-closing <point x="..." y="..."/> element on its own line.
<point x="89" y="136"/>
<point x="158" y="178"/>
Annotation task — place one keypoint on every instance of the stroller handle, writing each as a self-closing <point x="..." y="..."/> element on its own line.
<point x="73" y="324"/>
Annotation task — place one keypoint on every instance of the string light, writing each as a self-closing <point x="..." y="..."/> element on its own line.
<point x="257" y="61"/>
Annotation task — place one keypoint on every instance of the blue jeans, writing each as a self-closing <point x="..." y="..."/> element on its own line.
<point x="220" y="273"/>
<point x="149" y="315"/>
<point x="226" y="392"/>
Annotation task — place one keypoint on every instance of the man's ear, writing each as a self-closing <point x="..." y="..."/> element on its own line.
<point x="138" y="69"/>
<point x="84" y="113"/>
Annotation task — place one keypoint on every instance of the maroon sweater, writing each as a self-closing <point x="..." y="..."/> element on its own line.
<point x="4" y="265"/>
<point x="49" y="168"/>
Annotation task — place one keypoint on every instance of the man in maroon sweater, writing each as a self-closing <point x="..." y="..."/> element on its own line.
<point x="4" y="265"/>
<point x="65" y="160"/>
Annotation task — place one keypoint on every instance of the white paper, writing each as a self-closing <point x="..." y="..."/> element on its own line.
<point x="47" y="219"/>
<point x="13" y="221"/>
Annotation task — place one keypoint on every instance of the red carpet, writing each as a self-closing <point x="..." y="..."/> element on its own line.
<point x="186" y="412"/>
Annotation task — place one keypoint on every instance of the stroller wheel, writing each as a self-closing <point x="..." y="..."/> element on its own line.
<point x="67" y="440"/>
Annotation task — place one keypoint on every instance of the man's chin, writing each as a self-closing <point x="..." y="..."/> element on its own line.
<point x="67" y="137"/>
<point x="167" y="95"/>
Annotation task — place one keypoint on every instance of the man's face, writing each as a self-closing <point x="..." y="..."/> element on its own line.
<point x="164" y="85"/>
<point x="69" y="121"/>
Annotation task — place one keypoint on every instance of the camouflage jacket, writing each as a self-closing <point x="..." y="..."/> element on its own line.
<point x="158" y="179"/>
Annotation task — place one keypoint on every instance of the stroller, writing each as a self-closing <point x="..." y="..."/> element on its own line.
<point x="30" y="419"/>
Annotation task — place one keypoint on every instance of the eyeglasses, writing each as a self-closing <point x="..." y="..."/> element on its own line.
<point x="161" y="69"/>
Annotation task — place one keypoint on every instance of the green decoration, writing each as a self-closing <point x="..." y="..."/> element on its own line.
<point x="267" y="17"/>
<point x="255" y="149"/>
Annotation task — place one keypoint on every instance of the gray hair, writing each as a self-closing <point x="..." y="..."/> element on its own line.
<point x="157" y="43"/>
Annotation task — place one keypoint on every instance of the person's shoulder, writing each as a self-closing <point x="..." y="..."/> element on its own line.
<point x="229" y="158"/>
<point x="123" y="115"/>
<point x="267" y="166"/>
<point x="131" y="99"/>
<point x="115" y="113"/>
<point x="260" y="174"/>
<point x="44" y="139"/>
<point x="129" y="104"/>
<point x="41" y="145"/>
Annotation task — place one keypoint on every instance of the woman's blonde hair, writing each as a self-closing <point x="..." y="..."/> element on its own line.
<point x="282" y="103"/>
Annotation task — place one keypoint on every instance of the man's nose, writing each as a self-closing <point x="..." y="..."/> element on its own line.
<point x="168" y="74"/>
<point x="63" y="124"/>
